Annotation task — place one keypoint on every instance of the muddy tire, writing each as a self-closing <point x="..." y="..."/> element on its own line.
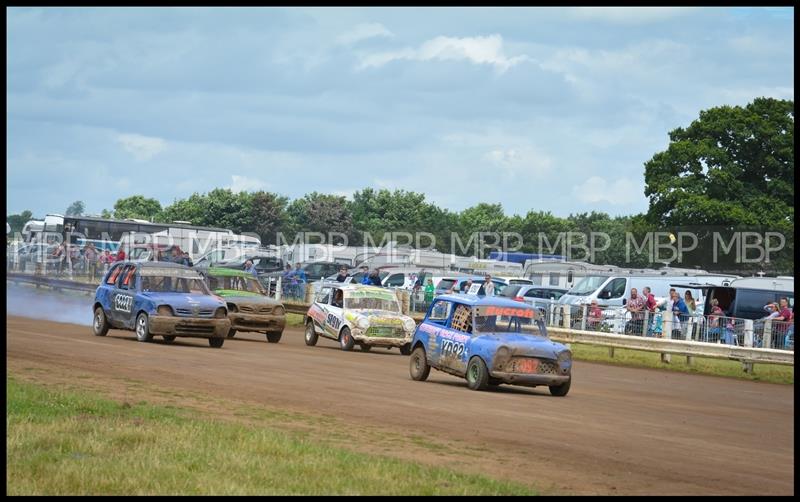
<point x="311" y="336"/>
<point x="405" y="349"/>
<point x="477" y="374"/>
<point x="418" y="365"/>
<point x="346" y="340"/>
<point x="143" y="328"/>
<point x="231" y="333"/>
<point x="216" y="342"/>
<point x="169" y="338"/>
<point x="274" y="337"/>
<point x="560" y="390"/>
<point x="100" y="325"/>
<point x="364" y="347"/>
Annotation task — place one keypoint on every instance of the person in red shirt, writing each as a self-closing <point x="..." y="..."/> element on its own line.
<point x="120" y="255"/>
<point x="650" y="300"/>
<point x="595" y="316"/>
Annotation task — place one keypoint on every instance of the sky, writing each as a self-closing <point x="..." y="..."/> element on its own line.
<point x="540" y="108"/>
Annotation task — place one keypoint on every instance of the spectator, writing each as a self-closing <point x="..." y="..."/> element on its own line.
<point x="365" y="276"/>
<point x="250" y="268"/>
<point x="374" y="278"/>
<point x="488" y="286"/>
<point x="650" y="302"/>
<point x="429" y="290"/>
<point x="286" y="280"/>
<point x="90" y="259"/>
<point x="784" y="317"/>
<point x="120" y="255"/>
<point x="635" y="305"/>
<point x="299" y="280"/>
<point x="176" y="255"/>
<point x="688" y="299"/>
<point x="60" y="255"/>
<point x="671" y="299"/>
<point x="680" y="313"/>
<point x="465" y="287"/>
<point x="187" y="260"/>
<point x="342" y="274"/>
<point x="595" y="316"/>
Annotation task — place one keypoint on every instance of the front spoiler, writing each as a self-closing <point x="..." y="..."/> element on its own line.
<point x="381" y="341"/>
<point x="529" y="380"/>
<point x="257" y="322"/>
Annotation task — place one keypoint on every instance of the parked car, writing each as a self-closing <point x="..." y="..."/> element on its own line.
<point x="159" y="298"/>
<point x="458" y="282"/>
<point x="315" y="270"/>
<point x="353" y="313"/>
<point x="489" y="341"/>
<point x="540" y="297"/>
<point x="249" y="307"/>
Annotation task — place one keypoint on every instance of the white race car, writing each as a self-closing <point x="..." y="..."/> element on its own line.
<point x="354" y="313"/>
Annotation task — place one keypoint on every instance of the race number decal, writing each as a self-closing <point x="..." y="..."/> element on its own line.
<point x="123" y="303"/>
<point x="451" y="348"/>
<point x="333" y="321"/>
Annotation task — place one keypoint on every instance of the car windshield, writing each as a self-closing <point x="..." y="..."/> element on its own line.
<point x="446" y="283"/>
<point x="172" y="284"/>
<point x="501" y="319"/>
<point x="511" y="291"/>
<point x="362" y="300"/>
<point x="587" y="285"/>
<point x="236" y="283"/>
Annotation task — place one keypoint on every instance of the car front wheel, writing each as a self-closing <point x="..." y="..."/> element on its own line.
<point x="100" y="325"/>
<point x="560" y="390"/>
<point x="405" y="349"/>
<point x="477" y="374"/>
<point x="274" y="337"/>
<point x="143" y="328"/>
<point x="418" y="366"/>
<point x="231" y="333"/>
<point x="346" y="339"/>
<point x="311" y="335"/>
<point x="169" y="338"/>
<point x="216" y="342"/>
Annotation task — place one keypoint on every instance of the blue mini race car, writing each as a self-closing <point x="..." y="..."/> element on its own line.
<point x="159" y="298"/>
<point x="489" y="341"/>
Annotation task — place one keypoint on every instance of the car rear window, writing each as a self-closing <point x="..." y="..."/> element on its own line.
<point x="511" y="291"/>
<point x="446" y="283"/>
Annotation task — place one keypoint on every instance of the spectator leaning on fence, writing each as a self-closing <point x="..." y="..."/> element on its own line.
<point x="488" y="286"/>
<point x="784" y="317"/>
<point x="595" y="316"/>
<point x="342" y="274"/>
<point x="649" y="300"/>
<point x="90" y="256"/>
<point x="429" y="289"/>
<point x="688" y="299"/>
<point x="635" y="305"/>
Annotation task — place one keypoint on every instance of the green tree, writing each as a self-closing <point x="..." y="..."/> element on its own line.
<point x="269" y="216"/>
<point x="317" y="212"/>
<point x="105" y="213"/>
<point x="76" y="208"/>
<point x="190" y="209"/>
<point x="731" y="169"/>
<point x="17" y="221"/>
<point x="137" y="206"/>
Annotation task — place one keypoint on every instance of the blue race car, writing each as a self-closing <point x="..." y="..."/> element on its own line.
<point x="159" y="298"/>
<point x="490" y="341"/>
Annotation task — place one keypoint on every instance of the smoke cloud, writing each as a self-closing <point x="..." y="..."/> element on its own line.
<point x="25" y="301"/>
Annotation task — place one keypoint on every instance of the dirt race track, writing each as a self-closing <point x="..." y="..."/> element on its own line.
<point x="619" y="431"/>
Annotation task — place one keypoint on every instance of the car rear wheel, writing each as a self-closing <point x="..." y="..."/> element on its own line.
<point x="311" y="335"/>
<point x="405" y="349"/>
<point x="169" y="338"/>
<point x="216" y="342"/>
<point x="143" y="328"/>
<point x="418" y="366"/>
<point x="346" y="339"/>
<point x="477" y="374"/>
<point x="100" y="325"/>
<point x="231" y="333"/>
<point x="560" y="390"/>
<point x="274" y="337"/>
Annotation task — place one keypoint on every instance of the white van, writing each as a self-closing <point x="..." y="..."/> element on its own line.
<point x="614" y="291"/>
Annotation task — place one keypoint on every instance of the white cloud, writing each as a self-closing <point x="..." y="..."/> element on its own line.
<point x="478" y="50"/>
<point x="141" y="147"/>
<point x="525" y="160"/>
<point x="631" y="15"/>
<point x="244" y="184"/>
<point x="363" y="31"/>
<point x="618" y="192"/>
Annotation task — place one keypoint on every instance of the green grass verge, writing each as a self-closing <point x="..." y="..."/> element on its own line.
<point x="772" y="373"/>
<point x="67" y="442"/>
<point x="294" y="319"/>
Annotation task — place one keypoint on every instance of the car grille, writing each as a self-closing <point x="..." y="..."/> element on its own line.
<point x="387" y="331"/>
<point x="254" y="309"/>
<point x="190" y="313"/>
<point x="532" y="365"/>
<point x="189" y="329"/>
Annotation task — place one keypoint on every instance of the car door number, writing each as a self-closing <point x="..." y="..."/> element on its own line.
<point x="333" y="321"/>
<point x="451" y="348"/>
<point x="123" y="303"/>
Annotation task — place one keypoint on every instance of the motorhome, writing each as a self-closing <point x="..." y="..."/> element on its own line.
<point x="745" y="298"/>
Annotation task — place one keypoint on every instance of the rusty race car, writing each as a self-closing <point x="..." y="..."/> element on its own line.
<point x="353" y="313"/>
<point x="249" y="307"/>
<point x="159" y="298"/>
<point x="489" y="341"/>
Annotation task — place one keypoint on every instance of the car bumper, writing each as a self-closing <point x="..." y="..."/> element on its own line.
<point x="256" y="322"/>
<point x="189" y="327"/>
<point x="381" y="341"/>
<point x="530" y="380"/>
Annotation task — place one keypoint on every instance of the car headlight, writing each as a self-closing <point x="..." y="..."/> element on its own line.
<point x="165" y="310"/>
<point x="221" y="313"/>
<point x="362" y="323"/>
<point x="565" y="356"/>
<point x="232" y="307"/>
<point x="409" y="324"/>
<point x="279" y="310"/>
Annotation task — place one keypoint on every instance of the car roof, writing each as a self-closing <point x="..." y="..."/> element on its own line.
<point x="153" y="264"/>
<point x="226" y="272"/>
<point x="351" y="286"/>
<point x="478" y="301"/>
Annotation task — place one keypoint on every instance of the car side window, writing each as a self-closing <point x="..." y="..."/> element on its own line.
<point x="112" y="277"/>
<point x="324" y="295"/>
<point x="125" y="279"/>
<point x="440" y="312"/>
<point x="462" y="319"/>
<point x="395" y="280"/>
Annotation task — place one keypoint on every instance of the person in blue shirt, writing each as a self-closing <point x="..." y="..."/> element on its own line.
<point x="365" y="276"/>
<point x="680" y="312"/>
<point x="299" y="280"/>
<point x="250" y="268"/>
<point x="374" y="278"/>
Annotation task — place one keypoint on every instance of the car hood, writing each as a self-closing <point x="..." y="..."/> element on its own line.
<point x="235" y="293"/>
<point x="246" y="298"/>
<point x="186" y="300"/>
<point x="376" y="315"/>
<point x="525" y="345"/>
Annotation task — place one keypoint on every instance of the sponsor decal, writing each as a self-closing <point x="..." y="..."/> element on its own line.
<point x="507" y="311"/>
<point x="123" y="303"/>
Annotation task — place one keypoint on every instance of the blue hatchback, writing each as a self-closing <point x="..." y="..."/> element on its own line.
<point x="489" y="341"/>
<point x="159" y="298"/>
